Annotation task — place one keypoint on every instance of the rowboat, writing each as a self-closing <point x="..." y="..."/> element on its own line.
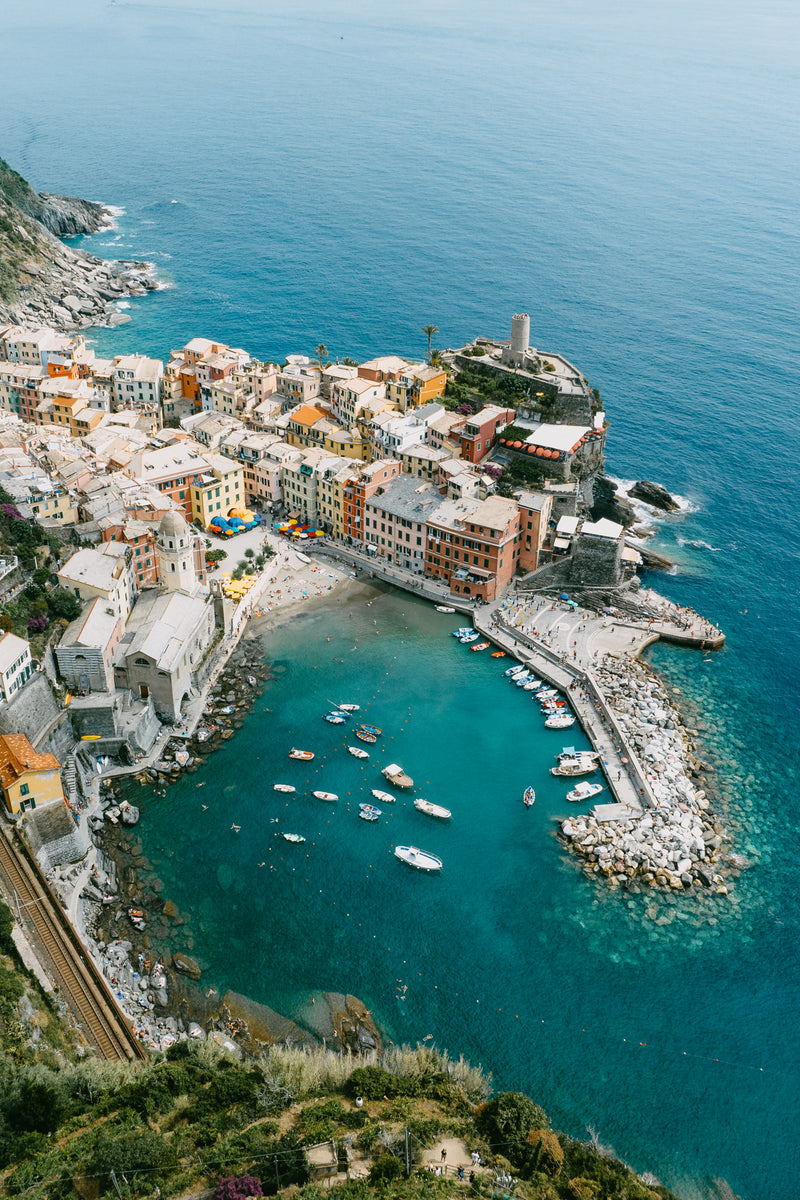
<point x="357" y="752"/>
<point x="498" y="654"/>
<point x="384" y="797"/>
<point x="529" y="797"/>
<point x="282" y="787"/>
<point x="397" y="776"/>
<point x="559" y="721"/>
<point x="335" y="718"/>
<point x="462" y="632"/>
<point x="368" y="812"/>
<point x="515" y="670"/>
<point x="445" y="608"/>
<point x="433" y="810"/>
<point x="480" y="646"/>
<point x="371" y="729"/>
<point x="330" y="796"/>
<point x="369" y="738"/>
<point x="420" y="859"/>
<point x="348" y="708"/>
<point x="303" y="755"/>
<point x="472" y="636"/>
<point x="293" y="837"/>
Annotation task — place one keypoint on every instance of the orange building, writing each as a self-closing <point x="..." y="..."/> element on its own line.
<point x="473" y="545"/>
<point x="357" y="491"/>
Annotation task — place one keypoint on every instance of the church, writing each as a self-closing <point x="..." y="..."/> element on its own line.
<point x="170" y="630"/>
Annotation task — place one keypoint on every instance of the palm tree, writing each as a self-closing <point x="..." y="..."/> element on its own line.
<point x="321" y="352"/>
<point x="435" y="358"/>
<point x="429" y="331"/>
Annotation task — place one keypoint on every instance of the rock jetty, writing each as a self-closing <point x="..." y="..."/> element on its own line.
<point x="678" y="843"/>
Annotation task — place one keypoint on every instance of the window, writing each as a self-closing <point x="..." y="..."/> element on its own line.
<point x="24" y="790"/>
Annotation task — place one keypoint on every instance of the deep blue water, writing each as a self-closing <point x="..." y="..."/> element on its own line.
<point x="627" y="173"/>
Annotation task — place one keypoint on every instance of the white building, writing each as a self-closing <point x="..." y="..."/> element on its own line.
<point x="106" y="574"/>
<point x="138" y="381"/>
<point x="16" y="667"/>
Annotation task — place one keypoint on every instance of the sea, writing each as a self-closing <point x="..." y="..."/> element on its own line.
<point x="346" y="173"/>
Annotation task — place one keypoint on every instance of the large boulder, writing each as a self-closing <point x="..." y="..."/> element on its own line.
<point x="606" y="503"/>
<point x="186" y="966"/>
<point x="654" y="495"/>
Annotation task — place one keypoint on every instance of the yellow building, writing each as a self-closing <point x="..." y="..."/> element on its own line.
<point x="300" y="430"/>
<point x="348" y="443"/>
<point x="415" y="386"/>
<point x="28" y="779"/>
<point x="330" y="496"/>
<point x="217" y="490"/>
<point x="54" y="506"/>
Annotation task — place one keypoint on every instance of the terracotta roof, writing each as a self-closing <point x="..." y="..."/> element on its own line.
<point x="17" y="756"/>
<point x="308" y="415"/>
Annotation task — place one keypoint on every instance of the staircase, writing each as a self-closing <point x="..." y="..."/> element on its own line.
<point x="69" y="778"/>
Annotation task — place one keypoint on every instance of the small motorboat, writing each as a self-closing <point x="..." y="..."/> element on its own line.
<point x="571" y="752"/>
<point x="575" y="766"/>
<point x="368" y="812"/>
<point x="515" y="670"/>
<point x="384" y="797"/>
<point x="397" y="776"/>
<point x="472" y="636"/>
<point x="559" y="721"/>
<point x="421" y="860"/>
<point x="329" y="796"/>
<point x="462" y="632"/>
<point x="529" y="797"/>
<point x="445" y="608"/>
<point x="547" y="693"/>
<point x="531" y="685"/>
<point x="283" y="787"/>
<point x="498" y="654"/>
<point x="336" y="718"/>
<point x="348" y="708"/>
<point x="480" y="646"/>
<point x="433" y="810"/>
<point x="293" y="837"/>
<point x="584" y="791"/>
<point x="521" y="680"/>
<point x="302" y="755"/>
<point x="371" y="729"/>
<point x="357" y="752"/>
<point x="362" y="736"/>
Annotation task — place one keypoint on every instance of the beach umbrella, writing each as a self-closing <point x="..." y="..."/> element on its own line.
<point x="563" y="596"/>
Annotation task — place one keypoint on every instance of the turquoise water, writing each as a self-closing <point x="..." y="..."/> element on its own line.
<point x="627" y="173"/>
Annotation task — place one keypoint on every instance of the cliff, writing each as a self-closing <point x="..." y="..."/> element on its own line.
<point x="44" y="282"/>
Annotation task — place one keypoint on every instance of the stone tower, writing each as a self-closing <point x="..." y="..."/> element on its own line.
<point x="175" y="548"/>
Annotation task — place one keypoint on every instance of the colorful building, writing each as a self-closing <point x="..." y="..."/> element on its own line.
<point x="359" y="490"/>
<point x="473" y="546"/>
<point x="28" y="779"/>
<point x="477" y="436"/>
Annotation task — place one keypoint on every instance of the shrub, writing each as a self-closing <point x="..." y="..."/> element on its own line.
<point x="546" y="1153"/>
<point x="386" y="1168"/>
<point x="131" y="1151"/>
<point x="506" y="1121"/>
<point x="238" y="1187"/>
<point x="583" y="1189"/>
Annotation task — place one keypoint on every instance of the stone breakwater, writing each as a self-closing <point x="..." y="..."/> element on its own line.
<point x="677" y="844"/>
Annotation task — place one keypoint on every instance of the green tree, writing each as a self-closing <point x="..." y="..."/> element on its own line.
<point x="321" y="352"/>
<point x="249" y="553"/>
<point x="62" y="605"/>
<point x="429" y="331"/>
<point x="216" y="556"/>
<point x="505" y="1122"/>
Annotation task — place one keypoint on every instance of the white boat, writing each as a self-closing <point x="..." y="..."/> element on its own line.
<point x="462" y="632"/>
<point x="357" y="752"/>
<point x="472" y="636"/>
<point x="557" y="721"/>
<point x="571" y="752"/>
<point x="529" y="797"/>
<point x="530" y="685"/>
<point x="575" y="766"/>
<point x="433" y="810"/>
<point x="331" y="796"/>
<point x="336" y="718"/>
<point x="283" y="787"/>
<point x="302" y="755"/>
<point x="584" y="791"/>
<point x="521" y="680"/>
<point x="397" y="776"/>
<point x="445" y="608"/>
<point x="420" y="859"/>
<point x="384" y="797"/>
<point x="515" y="670"/>
<point x="348" y="707"/>
<point x="293" y="837"/>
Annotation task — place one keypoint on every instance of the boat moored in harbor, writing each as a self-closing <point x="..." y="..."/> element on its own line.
<point x="368" y="812"/>
<point x="357" y="752"/>
<point x="445" y="608"/>
<point x="329" y="796"/>
<point x="480" y="646"/>
<point x="421" y="860"/>
<point x="529" y="797"/>
<point x="384" y="797"/>
<point x="302" y="755"/>
<point x="283" y="787"/>
<point x="293" y="837"/>
<point x="433" y="810"/>
<point x="584" y="791"/>
<point x="363" y="736"/>
<point x="397" y="776"/>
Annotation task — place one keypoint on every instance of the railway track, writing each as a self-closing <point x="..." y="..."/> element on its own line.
<point x="81" y="986"/>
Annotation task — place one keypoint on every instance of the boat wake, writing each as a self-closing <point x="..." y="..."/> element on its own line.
<point x="698" y="544"/>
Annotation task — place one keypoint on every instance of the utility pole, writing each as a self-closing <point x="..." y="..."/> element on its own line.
<point x="116" y="1185"/>
<point x="408" y="1165"/>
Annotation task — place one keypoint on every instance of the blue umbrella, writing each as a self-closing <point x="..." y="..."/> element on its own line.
<point x="563" y="596"/>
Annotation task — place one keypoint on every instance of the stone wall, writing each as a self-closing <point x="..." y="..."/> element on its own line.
<point x="32" y="711"/>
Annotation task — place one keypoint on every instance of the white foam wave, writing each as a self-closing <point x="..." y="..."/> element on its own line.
<point x="112" y="213"/>
<point x="123" y="304"/>
<point x="647" y="514"/>
<point x="698" y="544"/>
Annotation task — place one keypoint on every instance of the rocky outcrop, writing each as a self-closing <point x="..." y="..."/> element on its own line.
<point x="44" y="282"/>
<point x="654" y="495"/>
<point x="607" y="503"/>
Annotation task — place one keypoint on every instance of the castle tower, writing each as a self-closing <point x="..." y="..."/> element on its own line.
<point x="520" y="336"/>
<point x="175" y="549"/>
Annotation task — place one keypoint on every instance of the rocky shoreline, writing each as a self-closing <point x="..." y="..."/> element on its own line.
<point x="46" y="283"/>
<point x="677" y="845"/>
